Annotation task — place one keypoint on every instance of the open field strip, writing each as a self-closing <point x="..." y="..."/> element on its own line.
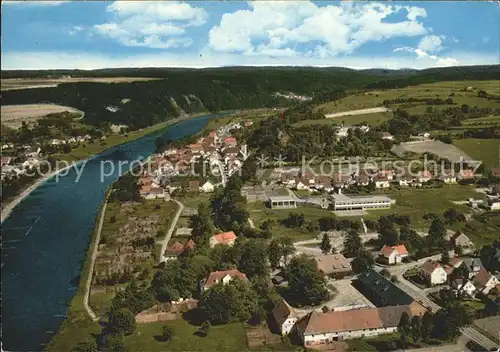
<point x="14" y="115"/>
<point x="21" y="83"/>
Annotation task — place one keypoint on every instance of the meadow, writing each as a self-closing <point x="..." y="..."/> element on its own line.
<point x="370" y="99"/>
<point x="486" y="150"/>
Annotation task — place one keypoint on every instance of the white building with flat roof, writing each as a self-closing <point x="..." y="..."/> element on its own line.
<point x="344" y="202"/>
<point x="282" y="202"/>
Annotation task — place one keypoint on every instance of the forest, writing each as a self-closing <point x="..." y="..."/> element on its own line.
<point x="141" y="104"/>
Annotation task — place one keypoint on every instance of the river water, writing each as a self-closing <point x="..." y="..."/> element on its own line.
<point x="45" y="237"/>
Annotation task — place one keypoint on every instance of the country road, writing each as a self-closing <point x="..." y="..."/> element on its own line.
<point x="357" y="112"/>
<point x="92" y="261"/>
<point x="163" y="243"/>
<point x="420" y="296"/>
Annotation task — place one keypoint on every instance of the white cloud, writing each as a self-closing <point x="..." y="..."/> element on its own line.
<point x="331" y="30"/>
<point x="85" y="60"/>
<point x="33" y="3"/>
<point x="75" y="29"/>
<point x="159" y="25"/>
<point x="431" y="43"/>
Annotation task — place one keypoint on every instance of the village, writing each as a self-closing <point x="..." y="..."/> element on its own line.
<point x="360" y="304"/>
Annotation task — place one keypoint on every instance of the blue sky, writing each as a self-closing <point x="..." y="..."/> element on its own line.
<point x="92" y="34"/>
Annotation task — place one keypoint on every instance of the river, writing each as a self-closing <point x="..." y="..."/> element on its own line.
<point x="45" y="237"/>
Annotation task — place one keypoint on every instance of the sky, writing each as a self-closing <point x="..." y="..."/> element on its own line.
<point x="389" y="35"/>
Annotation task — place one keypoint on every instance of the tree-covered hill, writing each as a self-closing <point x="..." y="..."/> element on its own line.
<point x="140" y="104"/>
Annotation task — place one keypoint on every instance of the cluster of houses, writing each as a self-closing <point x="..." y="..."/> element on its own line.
<point x="218" y="151"/>
<point x="182" y="242"/>
<point x="12" y="169"/>
<point x="475" y="279"/>
<point x="323" y="326"/>
<point x="381" y="179"/>
<point x="71" y="140"/>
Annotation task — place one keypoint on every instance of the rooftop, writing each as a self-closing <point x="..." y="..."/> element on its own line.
<point x="382" y="292"/>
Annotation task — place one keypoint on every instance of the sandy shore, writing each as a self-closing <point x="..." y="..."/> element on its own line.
<point x="10" y="207"/>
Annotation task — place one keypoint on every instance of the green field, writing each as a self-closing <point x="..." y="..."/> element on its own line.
<point x="373" y="119"/>
<point x="259" y="213"/>
<point x="416" y="202"/>
<point x="487" y="150"/>
<point x="433" y="90"/>
<point x="486" y="231"/>
<point x="230" y="337"/>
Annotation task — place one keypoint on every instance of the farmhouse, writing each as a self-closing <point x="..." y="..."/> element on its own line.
<point x="282" y="202"/>
<point x="380" y="291"/>
<point x="424" y="176"/>
<point x="472" y="267"/>
<point x="225" y="238"/>
<point x="463" y="286"/>
<point x="207" y="187"/>
<point x="320" y="328"/>
<point x="285" y="316"/>
<point x="224" y="277"/>
<point x="393" y="254"/>
<point x="382" y="182"/>
<point x="484" y="281"/>
<point x="387" y="135"/>
<point x="176" y="249"/>
<point x="448" y="176"/>
<point x="433" y="272"/>
<point x="333" y="264"/>
<point x="461" y="240"/>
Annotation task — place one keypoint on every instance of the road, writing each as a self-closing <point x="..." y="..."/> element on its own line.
<point x="475" y="335"/>
<point x="420" y="296"/>
<point x="90" y="274"/>
<point x="357" y="112"/>
<point x="170" y="231"/>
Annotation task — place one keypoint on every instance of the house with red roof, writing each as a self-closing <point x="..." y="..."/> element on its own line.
<point x="316" y="329"/>
<point x="223" y="276"/>
<point x="484" y="281"/>
<point x="393" y="254"/>
<point x="225" y="238"/>
<point x="177" y="248"/>
<point x="466" y="174"/>
<point x="230" y="142"/>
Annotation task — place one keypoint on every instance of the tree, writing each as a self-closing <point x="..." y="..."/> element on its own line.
<point x="437" y="234"/>
<point x="388" y="236"/>
<point x="202" y="226"/>
<point x="306" y="285"/>
<point x="445" y="257"/>
<point x="253" y="260"/>
<point x="122" y="321"/>
<point x="352" y="244"/>
<point x="416" y="328"/>
<point x="427" y="325"/>
<point x="113" y="342"/>
<point x="404" y="328"/>
<point x="452" y="216"/>
<point x="204" y="328"/>
<point x="85" y="346"/>
<point x="166" y="333"/>
<point x="235" y="301"/>
<point x="363" y="261"/>
<point x="325" y="246"/>
<point x="280" y="247"/>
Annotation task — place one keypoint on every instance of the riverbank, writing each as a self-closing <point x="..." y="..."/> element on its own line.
<point x="79" y="325"/>
<point x="7" y="209"/>
<point x="86" y="153"/>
